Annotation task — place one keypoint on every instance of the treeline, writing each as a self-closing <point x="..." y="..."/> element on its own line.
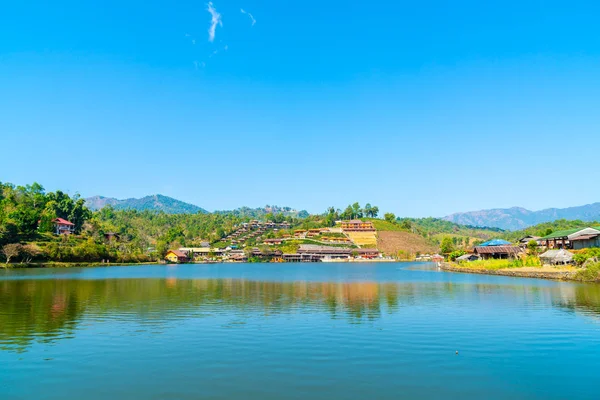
<point x="352" y="211"/>
<point x="265" y="212"/>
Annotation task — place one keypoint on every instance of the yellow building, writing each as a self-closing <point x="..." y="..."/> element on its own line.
<point x="357" y="225"/>
<point x="176" y="256"/>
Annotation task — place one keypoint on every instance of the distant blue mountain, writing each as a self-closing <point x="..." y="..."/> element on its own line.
<point x="156" y="202"/>
<point x="519" y="218"/>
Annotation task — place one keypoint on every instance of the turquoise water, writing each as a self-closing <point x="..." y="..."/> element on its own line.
<point x="294" y="331"/>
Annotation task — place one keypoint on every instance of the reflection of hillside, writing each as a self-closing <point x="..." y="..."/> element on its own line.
<point x="42" y="310"/>
<point x="581" y="298"/>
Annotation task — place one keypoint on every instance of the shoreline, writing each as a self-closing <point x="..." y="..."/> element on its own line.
<point x="61" y="264"/>
<point x="536" y="273"/>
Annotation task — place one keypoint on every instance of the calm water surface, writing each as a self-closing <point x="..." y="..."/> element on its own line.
<point x="296" y="331"/>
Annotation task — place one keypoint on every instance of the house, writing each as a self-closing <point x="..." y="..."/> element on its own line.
<point x="203" y="252"/>
<point x="578" y="238"/>
<point x="437" y="258"/>
<point x="556" y="257"/>
<point x="524" y="241"/>
<point x="110" y="236"/>
<point x="585" y="241"/>
<point x="177" y="256"/>
<point x="468" y="258"/>
<point x="320" y="252"/>
<point x="497" y="252"/>
<point x="272" y="242"/>
<point x="313" y="232"/>
<point x="63" y="227"/>
<point x="356" y="225"/>
<point x="366" y="253"/>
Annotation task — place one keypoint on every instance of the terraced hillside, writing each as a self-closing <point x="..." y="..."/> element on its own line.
<point x="363" y="239"/>
<point x="393" y="242"/>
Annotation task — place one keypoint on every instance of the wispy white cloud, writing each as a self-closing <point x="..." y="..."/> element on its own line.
<point x="214" y="21"/>
<point x="249" y="16"/>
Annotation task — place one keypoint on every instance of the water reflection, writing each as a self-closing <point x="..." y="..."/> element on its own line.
<point x="46" y="310"/>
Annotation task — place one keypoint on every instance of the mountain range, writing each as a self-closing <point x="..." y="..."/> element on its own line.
<point x="169" y="205"/>
<point x="511" y="219"/>
<point x="157" y="202"/>
<point x="516" y="218"/>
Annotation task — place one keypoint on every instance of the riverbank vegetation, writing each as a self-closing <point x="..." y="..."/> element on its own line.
<point x="493" y="265"/>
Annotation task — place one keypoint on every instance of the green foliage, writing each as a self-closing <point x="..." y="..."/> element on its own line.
<point x="530" y="261"/>
<point x="455" y="254"/>
<point x="589" y="274"/>
<point x="447" y="246"/>
<point x="532" y="247"/>
<point x="389" y="217"/>
<point x="27" y="210"/>
<point x="587" y="254"/>
<point x="432" y="227"/>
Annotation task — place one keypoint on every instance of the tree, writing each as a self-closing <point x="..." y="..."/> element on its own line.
<point x="374" y="211"/>
<point x="368" y="210"/>
<point x="447" y="246"/>
<point x="356" y="211"/>
<point x="455" y="254"/>
<point x="348" y="213"/>
<point x="532" y="246"/>
<point x="390" y="217"/>
<point x="11" y="250"/>
<point x="406" y="225"/>
<point x="29" y="252"/>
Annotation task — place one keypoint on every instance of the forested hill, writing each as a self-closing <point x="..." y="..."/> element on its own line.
<point x="519" y="218"/>
<point x="156" y="202"/>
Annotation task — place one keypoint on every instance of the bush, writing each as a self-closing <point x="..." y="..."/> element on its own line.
<point x="589" y="274"/>
<point x="581" y="257"/>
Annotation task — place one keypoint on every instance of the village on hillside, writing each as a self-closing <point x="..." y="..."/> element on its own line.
<point x="353" y="240"/>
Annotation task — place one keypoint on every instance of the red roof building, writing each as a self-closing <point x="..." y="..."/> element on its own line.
<point x="63" y="227"/>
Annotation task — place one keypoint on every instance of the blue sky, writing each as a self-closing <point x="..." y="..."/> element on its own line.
<point x="423" y="108"/>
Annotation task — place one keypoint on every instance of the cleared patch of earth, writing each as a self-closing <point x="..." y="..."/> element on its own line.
<point x="392" y="242"/>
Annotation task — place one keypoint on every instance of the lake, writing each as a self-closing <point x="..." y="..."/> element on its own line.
<point x="294" y="331"/>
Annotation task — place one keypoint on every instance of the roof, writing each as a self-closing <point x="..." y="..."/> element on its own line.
<point x="366" y="251"/>
<point x="63" y="221"/>
<point x="529" y="238"/>
<point x="495" y="242"/>
<point x="497" y="250"/>
<point x="466" y="257"/>
<point x="586" y="237"/>
<point x="557" y="255"/>
<point x="562" y="234"/>
<point x="178" y="253"/>
<point x="315" y="249"/>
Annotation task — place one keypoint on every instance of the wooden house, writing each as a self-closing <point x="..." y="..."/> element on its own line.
<point x="272" y="242"/>
<point x="497" y="252"/>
